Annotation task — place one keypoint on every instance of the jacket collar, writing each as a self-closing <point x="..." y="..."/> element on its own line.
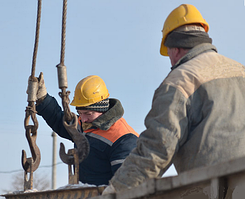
<point x="197" y="50"/>
<point x="106" y="120"/>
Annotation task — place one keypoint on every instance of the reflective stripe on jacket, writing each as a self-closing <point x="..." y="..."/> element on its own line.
<point x="106" y="152"/>
<point x="108" y="149"/>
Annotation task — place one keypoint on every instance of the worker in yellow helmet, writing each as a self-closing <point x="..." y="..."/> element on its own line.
<point x="197" y="114"/>
<point x="111" y="139"/>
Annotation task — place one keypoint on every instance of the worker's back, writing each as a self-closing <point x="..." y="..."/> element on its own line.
<point x="213" y="86"/>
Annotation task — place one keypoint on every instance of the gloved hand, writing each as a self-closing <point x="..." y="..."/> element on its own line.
<point x="109" y="189"/>
<point x="36" y="89"/>
<point x="42" y="91"/>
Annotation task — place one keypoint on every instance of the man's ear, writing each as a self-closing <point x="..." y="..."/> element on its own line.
<point x="177" y="52"/>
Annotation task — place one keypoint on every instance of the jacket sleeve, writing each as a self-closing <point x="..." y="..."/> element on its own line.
<point x="51" y="112"/>
<point x="166" y="129"/>
<point x="121" y="149"/>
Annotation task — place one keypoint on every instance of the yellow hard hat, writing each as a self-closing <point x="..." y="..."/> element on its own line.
<point x="182" y="15"/>
<point x="89" y="90"/>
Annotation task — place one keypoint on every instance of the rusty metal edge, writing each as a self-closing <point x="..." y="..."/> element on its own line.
<point x="99" y="189"/>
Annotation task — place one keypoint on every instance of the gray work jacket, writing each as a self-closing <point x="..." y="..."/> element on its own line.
<point x="197" y="119"/>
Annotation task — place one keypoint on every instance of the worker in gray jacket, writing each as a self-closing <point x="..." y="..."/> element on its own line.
<point x="197" y="116"/>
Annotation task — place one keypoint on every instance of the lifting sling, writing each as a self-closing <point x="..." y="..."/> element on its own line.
<point x="32" y="163"/>
<point x="70" y="120"/>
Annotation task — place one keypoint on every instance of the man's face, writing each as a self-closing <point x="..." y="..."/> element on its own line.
<point x="88" y="116"/>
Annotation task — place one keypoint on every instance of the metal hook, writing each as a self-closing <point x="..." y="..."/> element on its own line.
<point x="66" y="158"/>
<point x="76" y="155"/>
<point x="31" y="135"/>
<point x="71" y="158"/>
<point x="79" y="139"/>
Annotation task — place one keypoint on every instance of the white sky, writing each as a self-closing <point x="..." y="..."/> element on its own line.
<point x="117" y="40"/>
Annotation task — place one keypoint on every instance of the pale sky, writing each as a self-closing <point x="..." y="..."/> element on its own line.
<point x="117" y="40"/>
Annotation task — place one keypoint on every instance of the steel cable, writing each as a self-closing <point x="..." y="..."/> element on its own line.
<point x="36" y="38"/>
